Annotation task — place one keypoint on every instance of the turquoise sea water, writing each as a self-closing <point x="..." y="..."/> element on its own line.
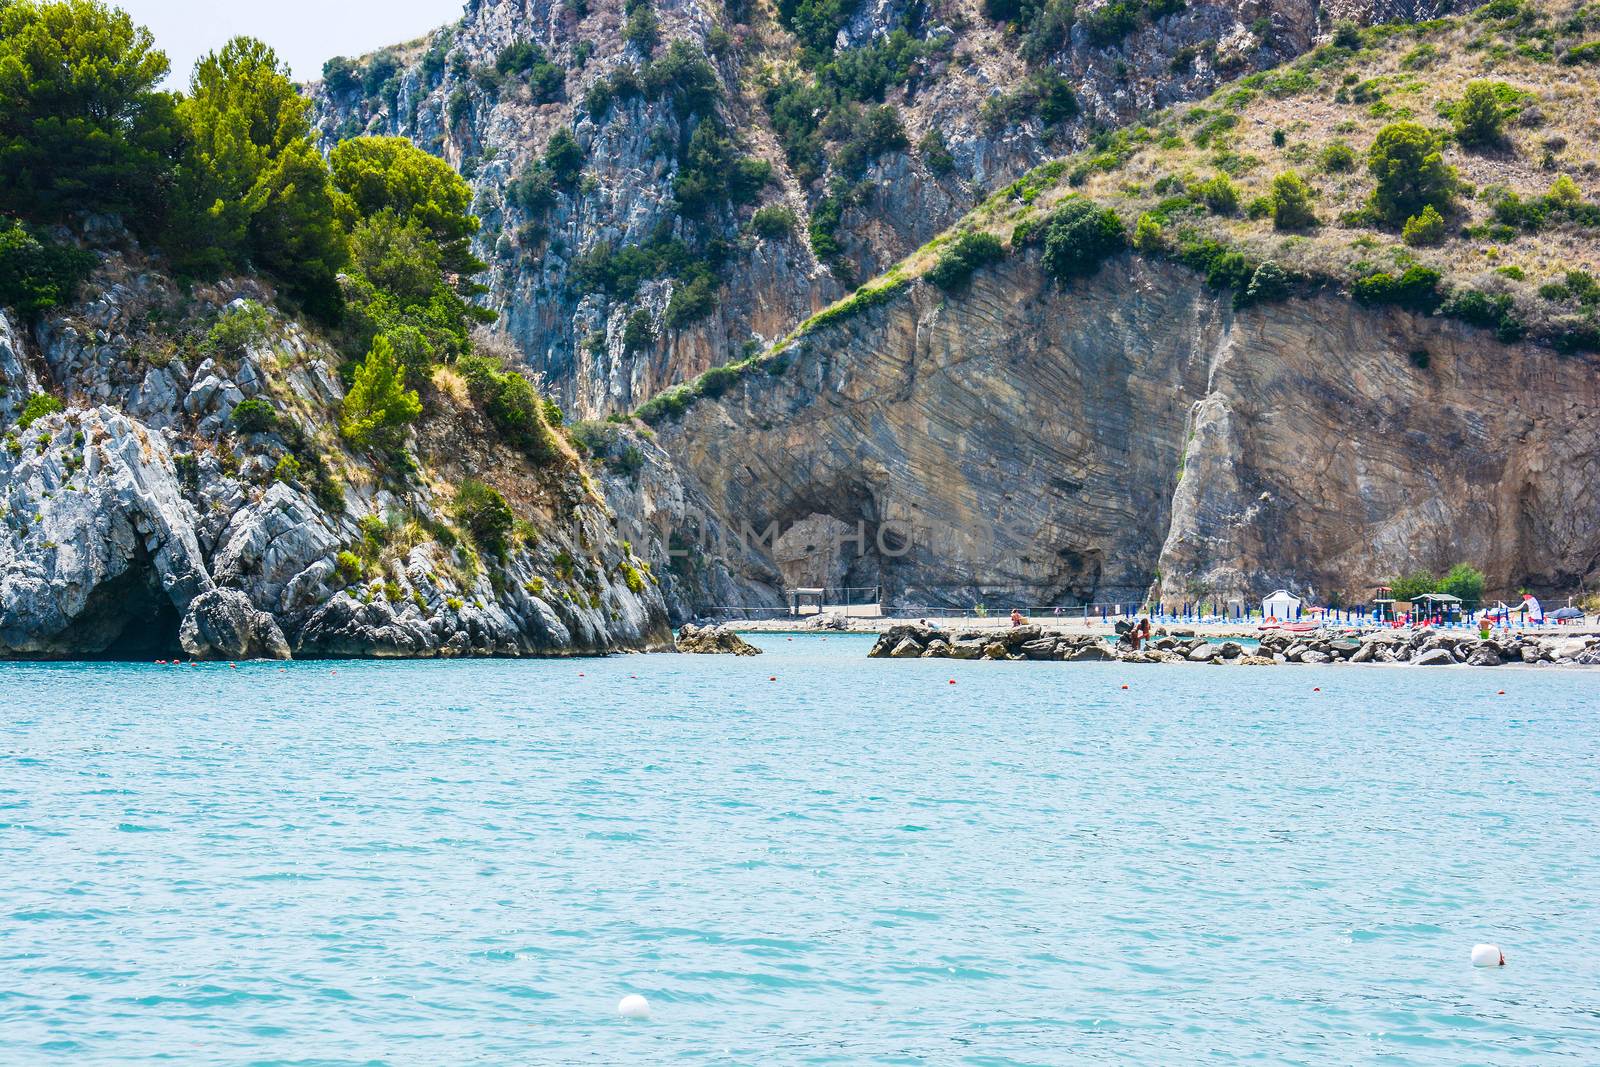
<point x="470" y="862"/>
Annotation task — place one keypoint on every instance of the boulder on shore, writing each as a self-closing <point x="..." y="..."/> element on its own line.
<point x="223" y="624"/>
<point x="714" y="640"/>
<point x="906" y="649"/>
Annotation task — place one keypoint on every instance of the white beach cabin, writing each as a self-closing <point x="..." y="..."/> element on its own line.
<point x="1282" y="605"/>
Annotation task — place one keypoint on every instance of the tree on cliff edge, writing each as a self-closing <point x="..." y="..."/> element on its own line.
<point x="254" y="191"/>
<point x="82" y="127"/>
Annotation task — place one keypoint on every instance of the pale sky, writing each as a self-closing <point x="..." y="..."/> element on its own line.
<point x="304" y="33"/>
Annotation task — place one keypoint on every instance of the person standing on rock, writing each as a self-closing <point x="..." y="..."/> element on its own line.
<point x="1139" y="633"/>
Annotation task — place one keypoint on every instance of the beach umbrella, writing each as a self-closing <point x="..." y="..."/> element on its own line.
<point x="1566" y="613"/>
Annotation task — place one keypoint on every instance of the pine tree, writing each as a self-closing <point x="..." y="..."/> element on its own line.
<point x="1411" y="173"/>
<point x="82" y="127"/>
<point x="254" y="189"/>
<point x="378" y="406"/>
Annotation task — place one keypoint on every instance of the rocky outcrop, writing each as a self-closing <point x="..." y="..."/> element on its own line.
<point x="223" y="624"/>
<point x="99" y="552"/>
<point x="705" y="567"/>
<point x="145" y="520"/>
<point x="713" y="640"/>
<point x="1135" y="434"/>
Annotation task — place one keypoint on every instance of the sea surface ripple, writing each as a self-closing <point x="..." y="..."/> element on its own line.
<point x="470" y="862"/>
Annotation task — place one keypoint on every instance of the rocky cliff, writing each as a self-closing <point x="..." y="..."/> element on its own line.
<point x="975" y="95"/>
<point x="1019" y="442"/>
<point x="144" y="517"/>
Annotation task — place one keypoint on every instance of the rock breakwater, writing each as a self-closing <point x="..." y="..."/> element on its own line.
<point x="1422" y="648"/>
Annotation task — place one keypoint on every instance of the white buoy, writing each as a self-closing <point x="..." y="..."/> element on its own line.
<point x="1488" y="956"/>
<point x="633" y="1006"/>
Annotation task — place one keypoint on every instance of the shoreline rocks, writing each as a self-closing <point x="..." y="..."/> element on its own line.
<point x="916" y="641"/>
<point x="1420" y="648"/>
<point x="713" y="641"/>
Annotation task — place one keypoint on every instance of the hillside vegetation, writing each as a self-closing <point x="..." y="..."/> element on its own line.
<point x="1448" y="167"/>
<point x="371" y="244"/>
<point x="1462" y="152"/>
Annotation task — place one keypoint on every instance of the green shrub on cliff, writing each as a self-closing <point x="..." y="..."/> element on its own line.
<point x="1493" y="311"/>
<point x="1269" y="282"/>
<point x="38" y="406"/>
<point x="1218" y="194"/>
<point x="1424" y="229"/>
<point x="631" y="575"/>
<point x="961" y="257"/>
<point x="638" y="333"/>
<point x="482" y="510"/>
<point x="1337" y="158"/>
<point x="1044" y="93"/>
<point x="692" y="300"/>
<point x="935" y="153"/>
<point x="254" y="415"/>
<point x="868" y="296"/>
<point x="533" y="190"/>
<point x="1078" y="237"/>
<point x="512" y="405"/>
<point x="239" y="327"/>
<point x="1291" y="203"/>
<point x="36" y="273"/>
<point x="287" y="469"/>
<point x="527" y="61"/>
<point x="1417" y="289"/>
<point x="1148" y="234"/>
<point x="815" y="23"/>
<point x="642" y="30"/>
<point x="563" y="158"/>
<point x="713" y="172"/>
<point x="1480" y="118"/>
<point x="1407" y="161"/>
<point x="773" y="221"/>
<point x="667" y="404"/>
<point x="1111" y="21"/>
<point x="348" y="566"/>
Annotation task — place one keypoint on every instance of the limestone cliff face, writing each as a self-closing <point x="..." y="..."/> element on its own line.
<point x="1018" y="443"/>
<point x="443" y="93"/>
<point x="143" y="519"/>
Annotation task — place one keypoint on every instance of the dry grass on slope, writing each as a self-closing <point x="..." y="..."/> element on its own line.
<point x="1245" y="135"/>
